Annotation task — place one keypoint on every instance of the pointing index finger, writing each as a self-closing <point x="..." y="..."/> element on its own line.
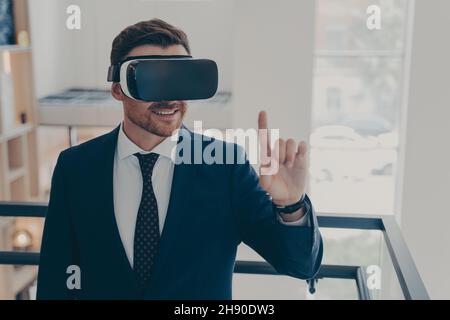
<point x="262" y="120"/>
<point x="264" y="136"/>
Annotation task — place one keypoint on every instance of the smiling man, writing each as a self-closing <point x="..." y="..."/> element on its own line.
<point x="139" y="226"/>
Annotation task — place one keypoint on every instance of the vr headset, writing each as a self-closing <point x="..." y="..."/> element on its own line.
<point x="165" y="78"/>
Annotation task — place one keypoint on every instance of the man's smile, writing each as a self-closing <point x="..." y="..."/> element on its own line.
<point x="166" y="112"/>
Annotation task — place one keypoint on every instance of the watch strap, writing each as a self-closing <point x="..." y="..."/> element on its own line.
<point x="291" y="208"/>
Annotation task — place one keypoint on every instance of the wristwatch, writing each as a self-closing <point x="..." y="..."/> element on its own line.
<point x="291" y="208"/>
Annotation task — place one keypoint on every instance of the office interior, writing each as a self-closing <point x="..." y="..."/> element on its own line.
<point x="371" y="103"/>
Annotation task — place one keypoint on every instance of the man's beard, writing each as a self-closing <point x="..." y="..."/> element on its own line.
<point x="158" y="127"/>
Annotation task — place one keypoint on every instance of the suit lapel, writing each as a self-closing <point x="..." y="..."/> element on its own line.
<point x="106" y="206"/>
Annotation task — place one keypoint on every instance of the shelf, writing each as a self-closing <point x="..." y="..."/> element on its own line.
<point x="18" y="102"/>
<point x="3" y="172"/>
<point x="18" y="142"/>
<point x="18" y="189"/>
<point x="31" y="149"/>
<point x="5" y="222"/>
<point x="15" y="48"/>
<point x="16" y="131"/>
<point x="15" y="153"/>
<point x="16" y="174"/>
<point x="6" y="225"/>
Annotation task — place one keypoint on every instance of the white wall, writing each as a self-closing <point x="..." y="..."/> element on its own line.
<point x="47" y="34"/>
<point x="425" y="202"/>
<point x="273" y="62"/>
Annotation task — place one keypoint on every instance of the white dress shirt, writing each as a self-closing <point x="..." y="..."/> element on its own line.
<point x="127" y="186"/>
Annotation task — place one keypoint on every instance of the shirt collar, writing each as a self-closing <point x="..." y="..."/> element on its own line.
<point x="126" y="147"/>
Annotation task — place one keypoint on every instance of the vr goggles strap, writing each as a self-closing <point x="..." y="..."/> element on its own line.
<point x="114" y="70"/>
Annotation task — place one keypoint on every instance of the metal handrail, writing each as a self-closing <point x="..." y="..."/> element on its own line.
<point x="408" y="276"/>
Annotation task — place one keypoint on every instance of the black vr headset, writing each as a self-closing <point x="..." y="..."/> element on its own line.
<point x="165" y="78"/>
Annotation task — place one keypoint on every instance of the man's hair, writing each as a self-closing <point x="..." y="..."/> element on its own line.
<point x="152" y="32"/>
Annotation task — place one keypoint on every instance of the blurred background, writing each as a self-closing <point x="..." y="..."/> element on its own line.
<point x="373" y="105"/>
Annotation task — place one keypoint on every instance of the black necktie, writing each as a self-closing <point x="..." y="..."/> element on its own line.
<point x="146" y="236"/>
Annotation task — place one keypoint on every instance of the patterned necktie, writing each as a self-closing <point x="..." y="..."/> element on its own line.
<point x="146" y="236"/>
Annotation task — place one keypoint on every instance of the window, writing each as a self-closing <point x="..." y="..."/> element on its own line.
<point x="333" y="99"/>
<point x="357" y="105"/>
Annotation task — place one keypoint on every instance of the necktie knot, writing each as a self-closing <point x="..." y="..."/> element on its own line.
<point x="147" y="162"/>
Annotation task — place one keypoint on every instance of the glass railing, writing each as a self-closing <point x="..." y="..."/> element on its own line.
<point x="365" y="257"/>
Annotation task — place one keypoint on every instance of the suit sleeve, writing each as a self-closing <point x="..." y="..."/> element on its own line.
<point x="58" y="244"/>
<point x="292" y="250"/>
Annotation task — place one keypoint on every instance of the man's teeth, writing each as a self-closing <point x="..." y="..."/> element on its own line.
<point x="165" y="113"/>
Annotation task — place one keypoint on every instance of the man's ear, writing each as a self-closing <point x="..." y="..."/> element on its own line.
<point x="116" y="91"/>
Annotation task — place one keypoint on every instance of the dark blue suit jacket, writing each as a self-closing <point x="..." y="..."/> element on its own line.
<point x="212" y="209"/>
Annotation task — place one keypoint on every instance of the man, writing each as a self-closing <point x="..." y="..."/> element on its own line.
<point x="132" y="224"/>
